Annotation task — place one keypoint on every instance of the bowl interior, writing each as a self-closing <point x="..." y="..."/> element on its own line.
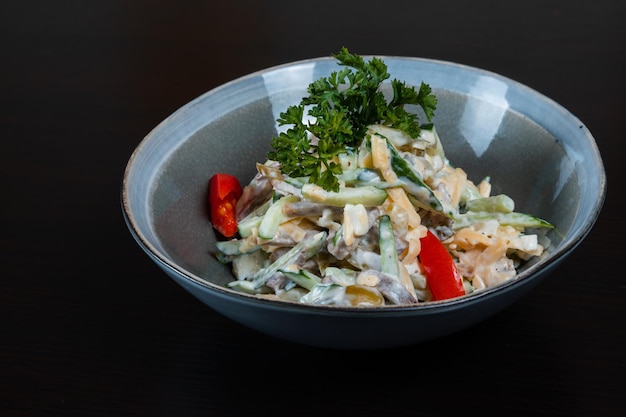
<point x="533" y="150"/>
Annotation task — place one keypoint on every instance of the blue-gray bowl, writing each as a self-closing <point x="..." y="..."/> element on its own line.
<point x="534" y="149"/>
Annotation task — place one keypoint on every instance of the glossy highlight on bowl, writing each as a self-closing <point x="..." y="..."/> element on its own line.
<point x="535" y="151"/>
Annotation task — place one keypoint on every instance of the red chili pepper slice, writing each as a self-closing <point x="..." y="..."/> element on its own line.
<point x="224" y="191"/>
<point x="442" y="275"/>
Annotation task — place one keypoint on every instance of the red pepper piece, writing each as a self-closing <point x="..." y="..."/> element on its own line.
<point x="224" y="191"/>
<point x="442" y="275"/>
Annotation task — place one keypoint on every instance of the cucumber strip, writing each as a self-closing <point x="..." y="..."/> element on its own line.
<point x="515" y="219"/>
<point x="245" y="226"/>
<point x="495" y="204"/>
<point x="325" y="294"/>
<point x="341" y="276"/>
<point x="412" y="182"/>
<point x="368" y="195"/>
<point x="302" y="251"/>
<point x="252" y="220"/>
<point x="302" y="277"/>
<point x="274" y="217"/>
<point x="338" y="235"/>
<point x="387" y="243"/>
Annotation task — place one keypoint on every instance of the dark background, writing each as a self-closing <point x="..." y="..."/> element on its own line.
<point x="89" y="326"/>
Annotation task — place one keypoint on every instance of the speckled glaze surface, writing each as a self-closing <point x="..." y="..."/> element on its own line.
<point x="533" y="149"/>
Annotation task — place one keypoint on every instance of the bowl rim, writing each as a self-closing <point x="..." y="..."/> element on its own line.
<point x="555" y="257"/>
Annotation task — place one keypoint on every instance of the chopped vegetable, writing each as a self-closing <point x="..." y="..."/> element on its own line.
<point x="412" y="183"/>
<point x="444" y="279"/>
<point x="224" y="190"/>
<point x="388" y="252"/>
<point x="274" y="216"/>
<point x="367" y="195"/>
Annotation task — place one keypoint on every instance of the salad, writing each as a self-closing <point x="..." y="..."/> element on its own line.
<point x="357" y="204"/>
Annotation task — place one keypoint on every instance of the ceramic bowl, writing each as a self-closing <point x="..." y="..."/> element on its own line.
<point x="534" y="150"/>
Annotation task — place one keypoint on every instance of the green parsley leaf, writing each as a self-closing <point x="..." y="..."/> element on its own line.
<point x="343" y="105"/>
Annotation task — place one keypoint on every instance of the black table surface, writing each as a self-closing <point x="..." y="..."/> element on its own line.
<point x="89" y="326"/>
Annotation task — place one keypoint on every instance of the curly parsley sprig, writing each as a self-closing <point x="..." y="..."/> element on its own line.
<point x="343" y="106"/>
